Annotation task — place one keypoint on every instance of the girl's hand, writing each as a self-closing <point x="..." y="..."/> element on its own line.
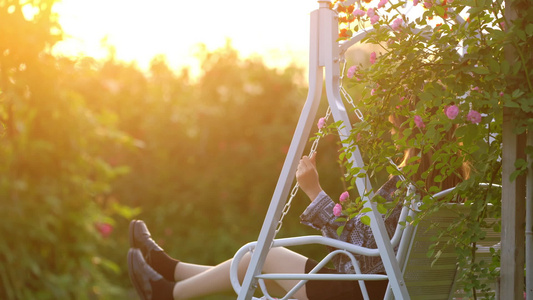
<point x="307" y="176"/>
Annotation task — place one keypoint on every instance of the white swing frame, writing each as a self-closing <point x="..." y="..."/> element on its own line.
<point x="324" y="57"/>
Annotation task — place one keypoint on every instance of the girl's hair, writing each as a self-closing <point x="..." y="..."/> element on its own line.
<point x="425" y="162"/>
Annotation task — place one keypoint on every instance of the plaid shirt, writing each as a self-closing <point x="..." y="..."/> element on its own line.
<point x="319" y="215"/>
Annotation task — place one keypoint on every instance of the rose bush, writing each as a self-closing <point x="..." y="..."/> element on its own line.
<point x="444" y="71"/>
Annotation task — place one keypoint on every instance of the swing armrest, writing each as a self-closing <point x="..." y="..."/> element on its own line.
<point x="312" y="275"/>
<point x="348" y="277"/>
<point x="321" y="240"/>
<point x="296" y="241"/>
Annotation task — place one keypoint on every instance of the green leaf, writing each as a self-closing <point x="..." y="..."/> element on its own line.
<point x="516" y="67"/>
<point x="430" y="253"/>
<point x="494" y="66"/>
<point x="340" y="230"/>
<point x="392" y="170"/>
<point x="425" y="96"/>
<point x="365" y="210"/>
<point x="517" y="93"/>
<point x="110" y="265"/>
<point x="365" y="220"/>
<point x="529" y="150"/>
<point x="381" y="209"/>
<point x="440" y="10"/>
<point x="470" y="134"/>
<point x="438" y="178"/>
<point x="529" y="29"/>
<point x="515" y="174"/>
<point x="511" y="104"/>
<point x="505" y="67"/>
<point x="520" y="163"/>
<point x="481" y="70"/>
<point x="521" y="35"/>
<point x="421" y="21"/>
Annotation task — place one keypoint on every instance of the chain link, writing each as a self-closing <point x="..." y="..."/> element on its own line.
<point x="314" y="146"/>
<point x="347" y="96"/>
<point x="296" y="187"/>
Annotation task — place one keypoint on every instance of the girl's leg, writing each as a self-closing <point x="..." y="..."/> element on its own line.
<point x="185" y="270"/>
<point x="217" y="279"/>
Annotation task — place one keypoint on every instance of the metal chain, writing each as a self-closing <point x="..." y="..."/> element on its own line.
<point x="314" y="146"/>
<point x="296" y="187"/>
<point x="358" y="112"/>
<point x="346" y="95"/>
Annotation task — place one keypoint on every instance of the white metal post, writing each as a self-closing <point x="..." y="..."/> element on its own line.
<point x="323" y="52"/>
<point x="288" y="171"/>
<point x="329" y="47"/>
<point x="529" y="222"/>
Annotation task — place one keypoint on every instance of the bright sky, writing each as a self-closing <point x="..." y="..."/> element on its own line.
<point x="276" y="29"/>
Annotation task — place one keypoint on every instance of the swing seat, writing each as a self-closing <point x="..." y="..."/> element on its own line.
<point x="427" y="277"/>
<point x="431" y="278"/>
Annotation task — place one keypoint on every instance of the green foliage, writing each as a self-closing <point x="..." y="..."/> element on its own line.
<point x="480" y="66"/>
<point x="89" y="145"/>
<point x="52" y="169"/>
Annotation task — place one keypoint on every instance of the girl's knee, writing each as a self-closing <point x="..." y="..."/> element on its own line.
<point x="243" y="265"/>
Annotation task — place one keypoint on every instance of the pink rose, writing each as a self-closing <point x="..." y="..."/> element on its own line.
<point x="351" y="71"/>
<point x="372" y="92"/>
<point x="474" y="117"/>
<point x="337" y="210"/>
<point x="501" y="94"/>
<point x="374" y="19"/>
<point x="344" y="196"/>
<point x="451" y="111"/>
<point x="105" y="229"/>
<point x="359" y="13"/>
<point x="396" y="24"/>
<point x="370" y="12"/>
<point x="321" y="122"/>
<point x="418" y="122"/>
<point x="373" y="57"/>
<point x="382" y="3"/>
<point x="415" y="2"/>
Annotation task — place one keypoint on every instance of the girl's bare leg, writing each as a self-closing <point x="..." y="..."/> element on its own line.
<point x="185" y="270"/>
<point x="207" y="280"/>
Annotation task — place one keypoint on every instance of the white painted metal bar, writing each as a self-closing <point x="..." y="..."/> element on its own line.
<point x="329" y="33"/>
<point x="324" y="52"/>
<point x="288" y="171"/>
<point x="529" y="222"/>
<point x="356" y="38"/>
<point x="316" y="269"/>
<point x="345" y="248"/>
<point x="347" y="277"/>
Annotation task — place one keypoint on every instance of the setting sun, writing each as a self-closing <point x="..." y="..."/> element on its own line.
<point x="138" y="30"/>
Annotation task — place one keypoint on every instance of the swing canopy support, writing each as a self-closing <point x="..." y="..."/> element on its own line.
<point x="410" y="273"/>
<point x="324" y="58"/>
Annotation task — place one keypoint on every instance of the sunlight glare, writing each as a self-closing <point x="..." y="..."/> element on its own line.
<point x="278" y="30"/>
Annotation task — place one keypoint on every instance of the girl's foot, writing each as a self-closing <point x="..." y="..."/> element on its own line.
<point x="154" y="255"/>
<point x="147" y="282"/>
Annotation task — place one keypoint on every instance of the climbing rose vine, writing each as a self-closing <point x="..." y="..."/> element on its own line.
<point x="441" y="67"/>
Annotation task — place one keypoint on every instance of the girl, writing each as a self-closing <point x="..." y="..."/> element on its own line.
<point x="157" y="276"/>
